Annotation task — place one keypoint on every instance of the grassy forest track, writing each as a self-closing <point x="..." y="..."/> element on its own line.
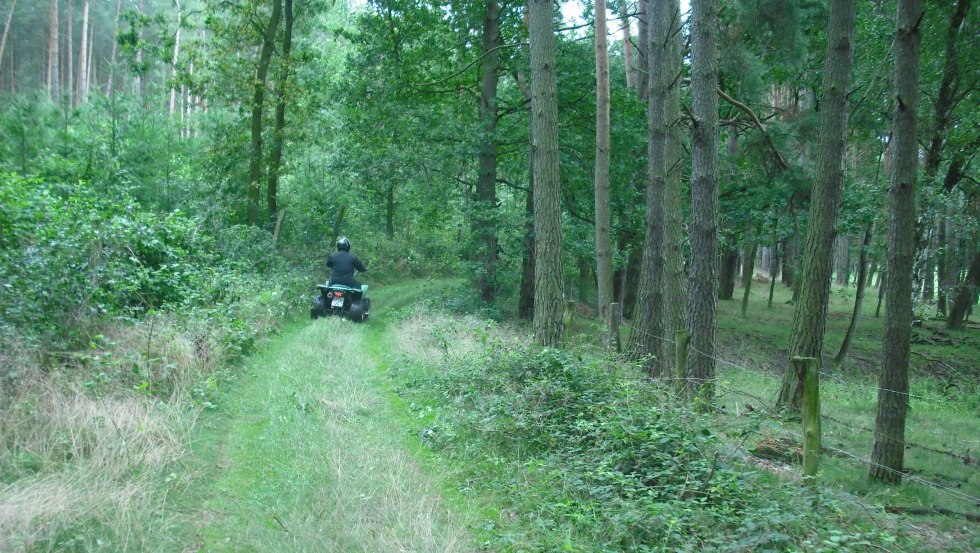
<point x="306" y="453"/>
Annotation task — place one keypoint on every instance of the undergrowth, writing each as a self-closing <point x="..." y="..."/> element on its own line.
<point x="580" y="453"/>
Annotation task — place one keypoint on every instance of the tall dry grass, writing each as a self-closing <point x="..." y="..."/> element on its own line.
<point x="91" y="445"/>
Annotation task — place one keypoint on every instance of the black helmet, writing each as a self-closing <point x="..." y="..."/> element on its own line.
<point x="343" y="244"/>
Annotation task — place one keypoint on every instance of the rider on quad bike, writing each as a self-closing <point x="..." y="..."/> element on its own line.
<point x="343" y="295"/>
<point x="344" y="265"/>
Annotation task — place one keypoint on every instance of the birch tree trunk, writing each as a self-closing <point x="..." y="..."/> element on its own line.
<point x="703" y="274"/>
<point x="888" y="454"/>
<point x="810" y="310"/>
<point x="603" y="223"/>
<point x="549" y="328"/>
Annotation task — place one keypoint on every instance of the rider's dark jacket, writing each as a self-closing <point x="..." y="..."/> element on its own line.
<point x="342" y="266"/>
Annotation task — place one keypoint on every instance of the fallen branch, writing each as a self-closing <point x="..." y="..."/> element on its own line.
<point x="899" y="510"/>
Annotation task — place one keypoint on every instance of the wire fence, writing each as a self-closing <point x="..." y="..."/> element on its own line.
<point x="768" y="409"/>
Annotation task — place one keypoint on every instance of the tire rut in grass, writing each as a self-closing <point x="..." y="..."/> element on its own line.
<point x="314" y="459"/>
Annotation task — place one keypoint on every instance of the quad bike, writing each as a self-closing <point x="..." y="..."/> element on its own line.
<point x="341" y="301"/>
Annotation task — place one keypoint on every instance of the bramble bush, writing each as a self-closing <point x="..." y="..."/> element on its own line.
<point x="586" y="455"/>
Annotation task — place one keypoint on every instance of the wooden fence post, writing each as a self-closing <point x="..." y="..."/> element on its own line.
<point x="683" y="339"/>
<point x="808" y="373"/>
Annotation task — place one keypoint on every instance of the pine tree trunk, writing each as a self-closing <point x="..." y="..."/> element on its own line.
<point x="966" y="295"/>
<point x="642" y="64"/>
<point x="110" y="86"/>
<point x="6" y="32"/>
<point x="649" y="343"/>
<point x="258" y="98"/>
<point x="173" y="61"/>
<point x="81" y="94"/>
<point x="703" y="274"/>
<point x="53" y="54"/>
<point x="810" y="311"/>
<point x="603" y="220"/>
<point x="282" y="93"/>
<point x="549" y="328"/>
<point x="862" y="278"/>
<point x="748" y="272"/>
<point x="729" y="266"/>
<point x="525" y="305"/>
<point x="628" y="55"/>
<point x="887" y="457"/>
<point x="70" y="67"/>
<point x="486" y="187"/>
<point x="675" y="275"/>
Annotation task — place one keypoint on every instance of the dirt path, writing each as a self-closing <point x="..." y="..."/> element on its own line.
<point x="308" y="455"/>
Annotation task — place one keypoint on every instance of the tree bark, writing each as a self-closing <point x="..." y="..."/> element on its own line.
<point x="966" y="295"/>
<point x="748" y="272"/>
<point x="549" y="328"/>
<point x="110" y="86"/>
<point x="53" y="54"/>
<point x="282" y="93"/>
<point x="703" y="274"/>
<point x="486" y="187"/>
<point x="69" y="80"/>
<point x="810" y="311"/>
<point x="603" y="219"/>
<point x="650" y="342"/>
<point x="729" y="266"/>
<point x="258" y="97"/>
<point x="525" y="305"/>
<point x="675" y="275"/>
<point x="6" y="32"/>
<point x="628" y="54"/>
<point x="390" y="211"/>
<point x="81" y="94"/>
<point x="862" y="277"/>
<point x="642" y="63"/>
<point x="888" y="454"/>
<point x="173" y="64"/>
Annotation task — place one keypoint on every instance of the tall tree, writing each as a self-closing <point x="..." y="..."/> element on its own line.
<point x="862" y="279"/>
<point x="486" y="186"/>
<point x="282" y="94"/>
<point x="52" y="76"/>
<point x="703" y="274"/>
<point x="650" y="340"/>
<point x="110" y="85"/>
<point x="887" y="457"/>
<point x="174" y="58"/>
<point x="810" y="310"/>
<point x="603" y="231"/>
<point x="69" y="80"/>
<point x="81" y="94"/>
<point x="628" y="55"/>
<point x="6" y="31"/>
<point x="549" y="326"/>
<point x="258" y="98"/>
<point x="675" y="281"/>
<point x="942" y="114"/>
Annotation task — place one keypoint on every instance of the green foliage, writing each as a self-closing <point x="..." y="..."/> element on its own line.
<point x="583" y="456"/>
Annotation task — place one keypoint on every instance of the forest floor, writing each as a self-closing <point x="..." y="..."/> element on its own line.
<point x="306" y="453"/>
<point x="310" y="450"/>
